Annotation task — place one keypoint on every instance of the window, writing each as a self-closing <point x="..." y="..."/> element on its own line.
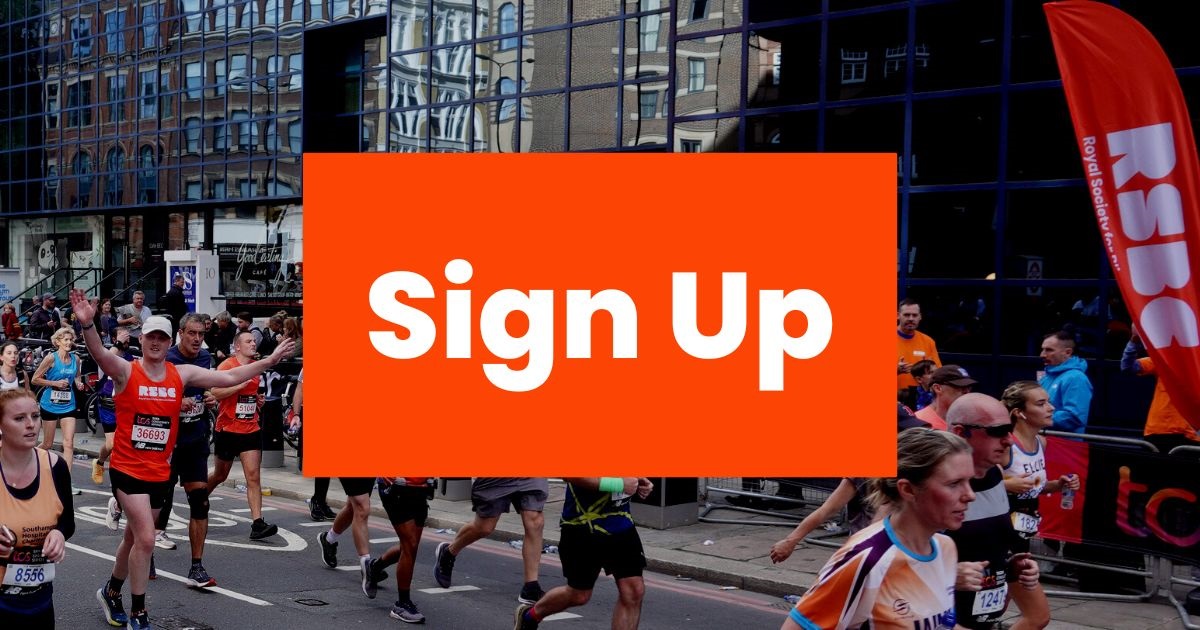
<point x="148" y="106"/>
<point x="699" y="9"/>
<point x="164" y="94"/>
<point x="192" y="191"/>
<point x="220" y="134"/>
<point x="116" y="98"/>
<point x="274" y="65"/>
<point x="271" y="13"/>
<point x="221" y="15"/>
<point x="250" y="17"/>
<point x="150" y="26"/>
<point x="216" y="189"/>
<point x="316" y="9"/>
<point x="406" y="94"/>
<point x="296" y="67"/>
<point x="82" y="167"/>
<point x="219" y="71"/>
<point x="648" y="26"/>
<point x="776" y="59"/>
<point x="193" y="18"/>
<point x="114" y="37"/>
<point x="647" y="104"/>
<point x="695" y="75"/>
<point x="192" y="130"/>
<point x="244" y="131"/>
<point x="294" y="136"/>
<point x="51" y="106"/>
<point x="147" y="176"/>
<point x="113" y="188"/>
<point x="194" y="79"/>
<point x="278" y="189"/>
<point x="341" y="7"/>
<point x="272" y="135"/>
<point x="79" y="104"/>
<point x="509" y="105"/>
<point x="854" y="66"/>
<point x="689" y="146"/>
<point x="237" y="72"/>
<point x="246" y="187"/>
<point x="81" y="37"/>
<point x="508" y="25"/>
<point x="52" y="188"/>
<point x="297" y="11"/>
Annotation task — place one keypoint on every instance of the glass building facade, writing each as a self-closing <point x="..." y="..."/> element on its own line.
<point x="130" y="127"/>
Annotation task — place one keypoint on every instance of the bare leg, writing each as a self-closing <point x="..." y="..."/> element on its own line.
<point x="197" y="527"/>
<point x="251" y="463"/>
<point x="559" y="599"/>
<point x="531" y="549"/>
<point x="68" y="442"/>
<point x="478" y="528"/>
<point x="628" y="609"/>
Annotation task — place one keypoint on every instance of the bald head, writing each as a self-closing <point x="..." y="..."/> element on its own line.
<point x="970" y="417"/>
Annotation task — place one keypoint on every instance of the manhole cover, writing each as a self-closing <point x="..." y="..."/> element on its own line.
<point x="180" y="623"/>
<point x="311" y="602"/>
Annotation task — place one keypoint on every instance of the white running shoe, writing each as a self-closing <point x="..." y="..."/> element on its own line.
<point x="162" y="542"/>
<point x="112" y="517"/>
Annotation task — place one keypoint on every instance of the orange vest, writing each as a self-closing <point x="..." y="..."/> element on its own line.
<point x="30" y="521"/>
<point x="147" y="424"/>
<point x="238" y="413"/>
<point x="1163" y="418"/>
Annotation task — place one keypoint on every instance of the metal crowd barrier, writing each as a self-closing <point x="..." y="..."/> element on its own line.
<point x="1172" y="581"/>
<point x="803" y="493"/>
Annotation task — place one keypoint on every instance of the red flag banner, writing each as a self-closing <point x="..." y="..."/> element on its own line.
<point x="1139" y="160"/>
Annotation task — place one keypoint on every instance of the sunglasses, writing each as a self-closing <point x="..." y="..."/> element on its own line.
<point x="995" y="431"/>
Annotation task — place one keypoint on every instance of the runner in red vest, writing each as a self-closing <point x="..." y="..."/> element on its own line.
<point x="148" y="395"/>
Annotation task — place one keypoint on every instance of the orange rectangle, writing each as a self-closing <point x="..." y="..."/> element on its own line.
<point x="530" y="315"/>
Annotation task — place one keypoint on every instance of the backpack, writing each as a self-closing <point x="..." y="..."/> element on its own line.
<point x="268" y="343"/>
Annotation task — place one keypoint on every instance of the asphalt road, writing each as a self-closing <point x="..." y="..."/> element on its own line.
<point x="281" y="582"/>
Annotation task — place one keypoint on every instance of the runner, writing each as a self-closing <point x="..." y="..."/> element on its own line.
<point x="106" y="412"/>
<point x="1024" y="479"/>
<point x="491" y="497"/>
<point x="986" y="539"/>
<point x="12" y="376"/>
<point x="597" y="533"/>
<point x="37" y="516"/>
<point x="238" y="434"/>
<point x="189" y="464"/>
<point x="899" y="572"/>
<point x="148" y="395"/>
<point x="352" y="516"/>
<point x="56" y="373"/>
<point x="318" y="510"/>
<point x="406" y="500"/>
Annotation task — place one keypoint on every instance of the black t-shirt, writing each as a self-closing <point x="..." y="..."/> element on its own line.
<point x="986" y="534"/>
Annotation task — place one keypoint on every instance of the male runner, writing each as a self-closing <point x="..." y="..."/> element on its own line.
<point x="238" y="434"/>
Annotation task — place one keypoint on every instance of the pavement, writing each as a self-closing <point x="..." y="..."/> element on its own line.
<point x="724" y="555"/>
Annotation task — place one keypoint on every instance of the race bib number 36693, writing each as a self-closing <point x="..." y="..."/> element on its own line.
<point x="151" y="433"/>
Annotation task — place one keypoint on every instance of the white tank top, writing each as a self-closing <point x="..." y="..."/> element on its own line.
<point x="1025" y="463"/>
<point x="13" y="384"/>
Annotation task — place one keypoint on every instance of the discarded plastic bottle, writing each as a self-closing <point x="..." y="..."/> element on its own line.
<point x="516" y="544"/>
<point x="791" y="599"/>
<point x="241" y="488"/>
<point x="81" y="457"/>
<point x="550" y="549"/>
<point x="1068" y="499"/>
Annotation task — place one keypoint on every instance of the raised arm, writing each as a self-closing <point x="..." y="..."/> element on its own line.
<point x="115" y="367"/>
<point x="200" y="377"/>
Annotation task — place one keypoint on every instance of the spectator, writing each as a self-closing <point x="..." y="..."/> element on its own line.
<point x="108" y="323"/>
<point x="45" y="320"/>
<point x="1067" y="383"/>
<point x="1166" y="428"/>
<point x="949" y="383"/>
<point x="173" y="301"/>
<point x="12" y="325"/>
<point x="133" y="315"/>
<point x="220" y="336"/>
<point x="922" y="371"/>
<point x="912" y="346"/>
<point x="293" y="331"/>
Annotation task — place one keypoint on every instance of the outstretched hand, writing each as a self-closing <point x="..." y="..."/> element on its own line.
<point x="283" y="350"/>
<point x="83" y="310"/>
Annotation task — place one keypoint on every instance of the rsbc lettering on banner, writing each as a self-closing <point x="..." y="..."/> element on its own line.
<point x="569" y="325"/>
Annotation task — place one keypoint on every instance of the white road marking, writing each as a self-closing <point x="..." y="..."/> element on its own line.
<point x="452" y="589"/>
<point x="265" y="508"/>
<point x="178" y="578"/>
<point x="560" y="616"/>
<point x="292" y="541"/>
<point x="316" y="524"/>
<point x="388" y="539"/>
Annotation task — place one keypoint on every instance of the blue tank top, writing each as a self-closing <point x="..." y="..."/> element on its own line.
<point x="57" y="400"/>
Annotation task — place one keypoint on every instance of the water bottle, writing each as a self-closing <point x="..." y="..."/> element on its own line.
<point x="1068" y="499"/>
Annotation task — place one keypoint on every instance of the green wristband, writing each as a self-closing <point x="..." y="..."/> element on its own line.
<point x="612" y="484"/>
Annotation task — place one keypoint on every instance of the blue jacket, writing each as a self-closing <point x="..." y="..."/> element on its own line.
<point x="1070" y="393"/>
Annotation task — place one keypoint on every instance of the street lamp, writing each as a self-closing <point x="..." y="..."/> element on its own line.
<point x="516" y="93"/>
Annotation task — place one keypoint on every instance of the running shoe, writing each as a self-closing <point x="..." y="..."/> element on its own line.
<point x="75" y="491"/>
<point x="140" y="621"/>
<point x="112" y="517"/>
<point x="153" y="573"/>
<point x="443" y="565"/>
<point x="369" y="587"/>
<point x="261" y="529"/>
<point x="97" y="472"/>
<point x="114" y="612"/>
<point x="162" y="542"/>
<point x="407" y="612"/>
<point x="328" y="551"/>
<point x="524" y="623"/>
<point x="199" y="578"/>
<point x="314" y="511"/>
<point x="327" y="512"/>
<point x="530" y="593"/>
<point x="377" y="575"/>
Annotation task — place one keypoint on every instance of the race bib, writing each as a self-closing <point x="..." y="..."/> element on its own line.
<point x="246" y="407"/>
<point x="29" y="575"/>
<point x="150" y="433"/>
<point x="191" y="409"/>
<point x="990" y="601"/>
<point x="1025" y="524"/>
<point x="60" y="396"/>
